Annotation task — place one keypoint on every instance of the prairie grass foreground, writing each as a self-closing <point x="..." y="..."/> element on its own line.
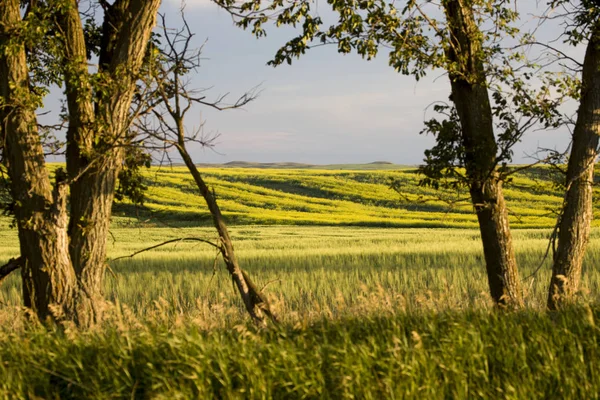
<point x="367" y="313"/>
<point x="417" y="355"/>
<point x="311" y="272"/>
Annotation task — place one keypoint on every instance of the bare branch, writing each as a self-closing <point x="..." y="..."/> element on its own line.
<point x="186" y="239"/>
<point x="170" y="85"/>
<point x="12" y="265"/>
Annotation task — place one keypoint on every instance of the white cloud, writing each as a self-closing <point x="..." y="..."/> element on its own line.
<point x="265" y="141"/>
<point x="358" y="111"/>
<point x="191" y="4"/>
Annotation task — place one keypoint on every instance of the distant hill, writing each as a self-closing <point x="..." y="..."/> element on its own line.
<point x="294" y="165"/>
<point x="247" y="164"/>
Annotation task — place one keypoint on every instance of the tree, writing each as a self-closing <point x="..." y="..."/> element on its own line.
<point x="471" y="99"/>
<point x="40" y="211"/>
<point x="64" y="263"/>
<point x="169" y="100"/>
<point x="99" y="119"/>
<point x="575" y="220"/>
<point x="474" y="141"/>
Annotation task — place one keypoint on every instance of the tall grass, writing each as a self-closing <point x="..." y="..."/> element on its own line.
<point x="444" y="355"/>
<point x="366" y="313"/>
<point x="311" y="273"/>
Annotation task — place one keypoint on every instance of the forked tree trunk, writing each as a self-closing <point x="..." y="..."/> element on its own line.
<point x="254" y="300"/>
<point x="470" y="96"/>
<point x="55" y="263"/>
<point x="48" y="278"/>
<point x="576" y="219"/>
<point x="98" y="133"/>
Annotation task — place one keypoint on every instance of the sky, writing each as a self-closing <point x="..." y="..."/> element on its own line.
<point x="326" y="108"/>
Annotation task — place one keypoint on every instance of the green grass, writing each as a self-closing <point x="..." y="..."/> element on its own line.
<point x="366" y="311"/>
<point x="445" y="355"/>
<point x="314" y="271"/>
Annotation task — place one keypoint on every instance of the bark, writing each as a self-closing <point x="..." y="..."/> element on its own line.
<point x="471" y="98"/>
<point x="576" y="219"/>
<point x="255" y="302"/>
<point x="98" y="134"/>
<point x="48" y="278"/>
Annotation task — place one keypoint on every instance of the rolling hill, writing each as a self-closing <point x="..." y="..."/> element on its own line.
<point x="358" y="195"/>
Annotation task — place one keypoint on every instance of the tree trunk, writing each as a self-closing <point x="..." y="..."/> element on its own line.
<point x="98" y="134"/>
<point x="470" y="96"/>
<point x="48" y="278"/>
<point x="576" y="219"/>
<point x="255" y="302"/>
<point x="501" y="265"/>
<point x="90" y="222"/>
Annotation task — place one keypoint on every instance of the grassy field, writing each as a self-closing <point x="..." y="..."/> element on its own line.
<point x="444" y="355"/>
<point x="313" y="271"/>
<point x="366" y="311"/>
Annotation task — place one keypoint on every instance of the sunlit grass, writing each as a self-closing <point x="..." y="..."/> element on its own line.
<point x="419" y="355"/>
<point x="366" y="311"/>
<point x="311" y="272"/>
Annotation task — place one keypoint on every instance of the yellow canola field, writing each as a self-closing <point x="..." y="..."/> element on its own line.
<point x="334" y="197"/>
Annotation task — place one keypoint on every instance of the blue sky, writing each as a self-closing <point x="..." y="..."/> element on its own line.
<point x="324" y="108"/>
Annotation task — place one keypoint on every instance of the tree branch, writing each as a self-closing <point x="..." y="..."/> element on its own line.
<point x="12" y="265"/>
<point x="186" y="239"/>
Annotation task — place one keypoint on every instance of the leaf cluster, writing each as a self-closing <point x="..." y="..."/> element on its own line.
<point x="414" y="32"/>
<point x="444" y="161"/>
<point x="131" y="181"/>
<point x="7" y="203"/>
<point x="579" y="17"/>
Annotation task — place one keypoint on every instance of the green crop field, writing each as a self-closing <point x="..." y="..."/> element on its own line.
<point x="378" y="297"/>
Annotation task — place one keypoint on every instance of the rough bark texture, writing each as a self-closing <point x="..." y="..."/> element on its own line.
<point x="470" y="96"/>
<point x="98" y="133"/>
<point x="64" y="262"/>
<point x="576" y="219"/>
<point x="48" y="278"/>
<point x="255" y="302"/>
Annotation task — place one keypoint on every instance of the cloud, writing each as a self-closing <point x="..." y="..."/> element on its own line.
<point x="360" y="111"/>
<point x="263" y="141"/>
<point x="191" y="4"/>
<point x="285" y="89"/>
